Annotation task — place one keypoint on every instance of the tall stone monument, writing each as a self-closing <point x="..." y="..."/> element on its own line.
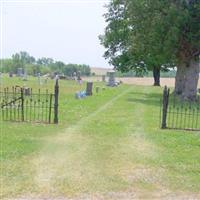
<point x="111" y="78"/>
<point x="20" y="72"/>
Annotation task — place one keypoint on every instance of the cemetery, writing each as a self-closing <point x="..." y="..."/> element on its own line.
<point x="99" y="124"/>
<point x="95" y="123"/>
<point x="123" y="126"/>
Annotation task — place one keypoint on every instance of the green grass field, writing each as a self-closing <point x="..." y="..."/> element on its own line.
<point x="107" y="146"/>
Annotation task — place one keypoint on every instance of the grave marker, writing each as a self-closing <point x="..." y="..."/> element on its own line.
<point x="19" y="72"/>
<point x="89" y="88"/>
<point x="111" y="80"/>
<point x="10" y="74"/>
<point x="97" y="89"/>
<point x="79" y="79"/>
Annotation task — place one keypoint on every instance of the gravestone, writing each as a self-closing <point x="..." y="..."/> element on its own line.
<point x="19" y="72"/>
<point x="79" y="79"/>
<point x="97" y="89"/>
<point x="103" y="78"/>
<point x="89" y="88"/>
<point x="27" y="91"/>
<point x="24" y="76"/>
<point x="74" y="76"/>
<point x="111" y="80"/>
<point x="10" y="74"/>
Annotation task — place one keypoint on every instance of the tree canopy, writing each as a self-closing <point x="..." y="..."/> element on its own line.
<point x="154" y="31"/>
<point x="43" y="65"/>
<point x="162" y="33"/>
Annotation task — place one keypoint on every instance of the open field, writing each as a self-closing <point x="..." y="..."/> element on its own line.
<point x="170" y="82"/>
<point x="106" y="147"/>
<point x="100" y="71"/>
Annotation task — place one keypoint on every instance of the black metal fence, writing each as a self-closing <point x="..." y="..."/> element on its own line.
<point x="179" y="114"/>
<point x="23" y="105"/>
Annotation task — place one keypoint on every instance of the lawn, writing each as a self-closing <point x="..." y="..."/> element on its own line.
<point x="107" y="146"/>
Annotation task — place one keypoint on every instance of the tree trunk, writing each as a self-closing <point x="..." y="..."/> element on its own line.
<point x="156" y="76"/>
<point x="180" y="79"/>
<point x="191" y="80"/>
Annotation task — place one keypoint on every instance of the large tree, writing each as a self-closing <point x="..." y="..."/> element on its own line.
<point x="21" y="59"/>
<point x="158" y="32"/>
<point x="122" y="49"/>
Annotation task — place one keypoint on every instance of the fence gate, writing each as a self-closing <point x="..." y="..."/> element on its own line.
<point x="23" y="105"/>
<point x="179" y="114"/>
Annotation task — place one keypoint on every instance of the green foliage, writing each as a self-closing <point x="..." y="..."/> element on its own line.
<point x="159" y="33"/>
<point x="133" y="73"/>
<point x="45" y="61"/>
<point x="7" y="65"/>
<point x="69" y="69"/>
<point x="42" y="65"/>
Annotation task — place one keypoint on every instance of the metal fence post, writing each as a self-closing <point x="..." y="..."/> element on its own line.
<point x="165" y="107"/>
<point x="22" y="104"/>
<point x="56" y="102"/>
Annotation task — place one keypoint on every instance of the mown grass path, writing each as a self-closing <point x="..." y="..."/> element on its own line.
<point x="57" y="156"/>
<point x="116" y="151"/>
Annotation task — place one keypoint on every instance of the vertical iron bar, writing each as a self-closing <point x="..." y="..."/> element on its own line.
<point x="22" y="104"/>
<point x="30" y="110"/>
<point x="165" y="106"/>
<point x="56" y="102"/>
<point x="26" y="109"/>
<point x="34" y="110"/>
<point x="14" y="110"/>
<point x="50" y="107"/>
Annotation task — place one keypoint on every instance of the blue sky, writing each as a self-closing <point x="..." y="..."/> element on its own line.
<point x="64" y="30"/>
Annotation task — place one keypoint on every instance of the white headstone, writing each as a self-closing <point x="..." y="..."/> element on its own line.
<point x="111" y="80"/>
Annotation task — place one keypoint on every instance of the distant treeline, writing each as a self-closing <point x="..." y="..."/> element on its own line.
<point x="133" y="73"/>
<point x="33" y="66"/>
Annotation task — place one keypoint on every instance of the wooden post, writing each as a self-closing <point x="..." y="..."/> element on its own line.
<point x="22" y="104"/>
<point x="165" y="107"/>
<point x="56" y="102"/>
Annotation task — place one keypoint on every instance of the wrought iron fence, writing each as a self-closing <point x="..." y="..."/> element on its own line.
<point x="179" y="114"/>
<point x="23" y="105"/>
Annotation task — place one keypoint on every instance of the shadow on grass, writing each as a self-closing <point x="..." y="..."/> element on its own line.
<point x="149" y="99"/>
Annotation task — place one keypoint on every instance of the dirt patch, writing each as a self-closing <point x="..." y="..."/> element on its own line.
<point x="148" y="81"/>
<point x="148" y="175"/>
<point x="125" y="195"/>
